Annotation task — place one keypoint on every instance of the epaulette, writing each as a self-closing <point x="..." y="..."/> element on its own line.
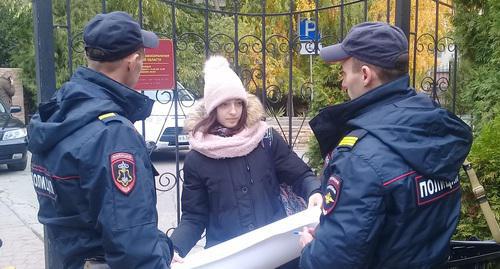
<point x="351" y="138"/>
<point x="109" y="117"/>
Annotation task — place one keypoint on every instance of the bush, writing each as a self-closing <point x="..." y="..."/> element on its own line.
<point x="477" y="34"/>
<point x="485" y="160"/>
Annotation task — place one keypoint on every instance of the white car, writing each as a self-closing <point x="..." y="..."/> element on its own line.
<point x="159" y="128"/>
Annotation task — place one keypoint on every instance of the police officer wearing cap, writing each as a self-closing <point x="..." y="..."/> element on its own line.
<point x="90" y="168"/>
<point x="391" y="194"/>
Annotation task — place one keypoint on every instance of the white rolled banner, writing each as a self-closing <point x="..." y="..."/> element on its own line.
<point x="267" y="247"/>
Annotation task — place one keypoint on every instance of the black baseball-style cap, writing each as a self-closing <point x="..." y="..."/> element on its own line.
<point x="113" y="36"/>
<point x="375" y="43"/>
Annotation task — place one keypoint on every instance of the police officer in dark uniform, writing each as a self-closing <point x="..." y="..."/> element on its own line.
<point x="391" y="194"/>
<point x="90" y="168"/>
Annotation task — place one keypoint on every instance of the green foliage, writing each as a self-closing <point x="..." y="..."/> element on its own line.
<point x="275" y="112"/>
<point x="326" y="92"/>
<point x="12" y="29"/>
<point x="479" y="86"/>
<point x="15" y="28"/>
<point x="477" y="33"/>
<point x="313" y="155"/>
<point x="327" y="79"/>
<point x="16" y="43"/>
<point x="484" y="158"/>
<point x="81" y="13"/>
<point x="190" y="30"/>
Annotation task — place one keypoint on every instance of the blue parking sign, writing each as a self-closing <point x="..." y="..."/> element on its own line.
<point x="307" y="30"/>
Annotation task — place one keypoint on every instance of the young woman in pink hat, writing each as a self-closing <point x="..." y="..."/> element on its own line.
<point x="231" y="176"/>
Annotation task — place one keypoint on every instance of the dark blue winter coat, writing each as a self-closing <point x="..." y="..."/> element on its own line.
<point x="391" y="189"/>
<point x="231" y="196"/>
<point x="93" y="176"/>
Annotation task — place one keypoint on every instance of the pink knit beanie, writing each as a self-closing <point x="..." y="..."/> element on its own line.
<point x="221" y="83"/>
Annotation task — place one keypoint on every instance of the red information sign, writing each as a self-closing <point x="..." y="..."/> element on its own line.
<point x="158" y="68"/>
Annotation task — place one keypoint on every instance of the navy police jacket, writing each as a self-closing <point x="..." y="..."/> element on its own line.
<point x="93" y="175"/>
<point x="390" y="185"/>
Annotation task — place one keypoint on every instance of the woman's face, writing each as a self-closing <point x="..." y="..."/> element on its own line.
<point x="229" y="113"/>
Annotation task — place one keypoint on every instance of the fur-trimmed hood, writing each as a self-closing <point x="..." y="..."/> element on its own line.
<point x="254" y="108"/>
<point x="240" y="144"/>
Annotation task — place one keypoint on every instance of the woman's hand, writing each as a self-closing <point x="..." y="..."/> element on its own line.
<point x="315" y="200"/>
<point x="306" y="236"/>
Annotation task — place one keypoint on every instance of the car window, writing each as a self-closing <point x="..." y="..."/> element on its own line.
<point x="184" y="95"/>
<point x="2" y="108"/>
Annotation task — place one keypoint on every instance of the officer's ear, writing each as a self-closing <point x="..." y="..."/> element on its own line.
<point x="134" y="61"/>
<point x="370" y="77"/>
<point x="367" y="74"/>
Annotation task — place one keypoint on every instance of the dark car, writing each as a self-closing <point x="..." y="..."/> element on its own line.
<point x="13" y="142"/>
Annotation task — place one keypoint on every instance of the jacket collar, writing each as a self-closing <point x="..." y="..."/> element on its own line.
<point x="331" y="123"/>
<point x="134" y="105"/>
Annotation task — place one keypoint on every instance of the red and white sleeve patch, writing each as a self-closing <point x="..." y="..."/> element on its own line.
<point x="123" y="171"/>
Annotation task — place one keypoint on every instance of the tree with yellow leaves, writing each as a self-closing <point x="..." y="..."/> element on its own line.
<point x="423" y="42"/>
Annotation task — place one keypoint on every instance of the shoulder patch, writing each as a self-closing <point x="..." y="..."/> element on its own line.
<point x="123" y="171"/>
<point x="42" y="181"/>
<point x="351" y="138"/>
<point x="109" y="117"/>
<point x="332" y="194"/>
<point x="429" y="190"/>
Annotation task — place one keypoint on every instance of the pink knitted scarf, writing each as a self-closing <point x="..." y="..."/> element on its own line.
<point x="240" y="144"/>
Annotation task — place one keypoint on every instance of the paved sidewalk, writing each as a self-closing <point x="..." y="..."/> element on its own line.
<point x="21" y="235"/>
<point x="22" y="247"/>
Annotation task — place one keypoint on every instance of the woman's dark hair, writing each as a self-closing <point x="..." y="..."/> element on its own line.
<point x="210" y="122"/>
